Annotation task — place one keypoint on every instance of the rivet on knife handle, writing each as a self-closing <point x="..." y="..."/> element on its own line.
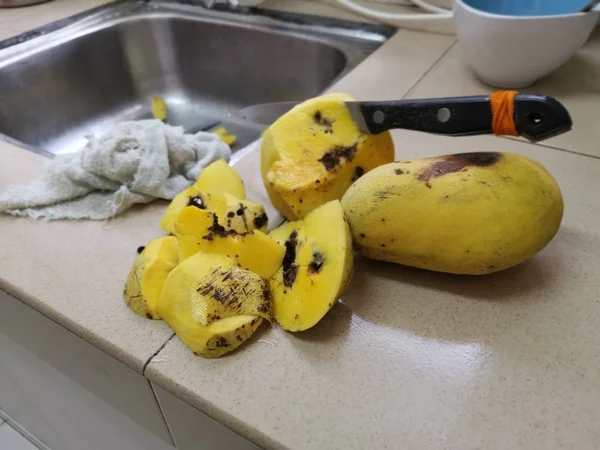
<point x="535" y="117"/>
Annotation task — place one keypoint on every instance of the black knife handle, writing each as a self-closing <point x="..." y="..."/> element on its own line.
<point x="536" y="117"/>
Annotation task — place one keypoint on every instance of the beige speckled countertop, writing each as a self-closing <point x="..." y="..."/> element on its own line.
<point x="408" y="359"/>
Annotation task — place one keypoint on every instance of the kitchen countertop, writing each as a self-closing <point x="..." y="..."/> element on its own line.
<point x="407" y="358"/>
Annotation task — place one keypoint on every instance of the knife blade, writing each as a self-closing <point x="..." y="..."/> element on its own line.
<point x="536" y="117"/>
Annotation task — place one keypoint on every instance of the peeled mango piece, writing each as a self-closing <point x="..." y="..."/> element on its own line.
<point x="148" y="274"/>
<point x="220" y="178"/>
<point x="199" y="231"/>
<point x="201" y="302"/>
<point x="215" y="180"/>
<point x="239" y="215"/>
<point x="225" y="135"/>
<point x="159" y="109"/>
<point x="471" y="213"/>
<point x="312" y="154"/>
<point x="316" y="268"/>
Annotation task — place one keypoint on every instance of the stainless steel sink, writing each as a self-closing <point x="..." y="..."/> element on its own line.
<point x="84" y="74"/>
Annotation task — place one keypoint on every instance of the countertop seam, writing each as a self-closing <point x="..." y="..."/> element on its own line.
<point x="155" y="354"/>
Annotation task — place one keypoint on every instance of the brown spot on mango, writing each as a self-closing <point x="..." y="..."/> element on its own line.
<point x="457" y="163"/>
<point x="333" y="158"/>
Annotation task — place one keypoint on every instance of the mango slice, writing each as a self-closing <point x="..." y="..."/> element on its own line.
<point x="225" y="135"/>
<point x="202" y="302"/>
<point x="220" y="178"/>
<point x="148" y="274"/>
<point x="238" y="215"/>
<point x="159" y="109"/>
<point x="215" y="180"/>
<point x="470" y="213"/>
<point x="313" y="153"/>
<point x="198" y="230"/>
<point x="316" y="268"/>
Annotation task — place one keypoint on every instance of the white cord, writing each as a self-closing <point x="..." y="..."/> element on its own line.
<point x="431" y="8"/>
<point x="437" y="20"/>
<point x="390" y="16"/>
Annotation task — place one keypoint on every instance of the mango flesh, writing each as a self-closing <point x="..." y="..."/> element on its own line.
<point x="472" y="213"/>
<point x="316" y="268"/>
<point x="199" y="231"/>
<point x="313" y="153"/>
<point x="220" y="178"/>
<point x="238" y="215"/>
<point x="215" y="180"/>
<point x="148" y="274"/>
<point x="201" y="302"/>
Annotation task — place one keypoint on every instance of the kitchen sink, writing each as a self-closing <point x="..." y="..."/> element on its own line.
<point x="82" y="75"/>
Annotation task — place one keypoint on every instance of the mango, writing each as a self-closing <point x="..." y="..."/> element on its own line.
<point x="148" y="274"/>
<point x="202" y="302"/>
<point x="220" y="178"/>
<point x="316" y="267"/>
<point x="238" y="215"/>
<point x="199" y="231"/>
<point x="470" y="213"/>
<point x="313" y="153"/>
<point x="216" y="179"/>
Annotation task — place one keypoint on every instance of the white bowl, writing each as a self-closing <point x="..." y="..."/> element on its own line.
<point x="515" y="51"/>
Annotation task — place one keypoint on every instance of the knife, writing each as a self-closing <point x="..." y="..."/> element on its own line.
<point x="536" y="117"/>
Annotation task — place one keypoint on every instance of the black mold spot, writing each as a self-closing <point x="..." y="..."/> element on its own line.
<point x="289" y="276"/>
<point x="260" y="221"/>
<point x="333" y="158"/>
<point x="323" y="121"/>
<point x="358" y="172"/>
<point x="222" y="342"/>
<point x="140" y="249"/>
<point x="217" y="230"/>
<point x="149" y="316"/>
<point x="362" y="235"/>
<point x="398" y="171"/>
<point x="230" y="214"/>
<point x="290" y="270"/>
<point x="316" y="264"/>
<point x="197" y="202"/>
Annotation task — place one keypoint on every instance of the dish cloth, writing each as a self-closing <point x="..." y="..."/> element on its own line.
<point x="136" y="162"/>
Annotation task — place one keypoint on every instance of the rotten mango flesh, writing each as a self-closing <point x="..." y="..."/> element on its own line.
<point x="472" y="213"/>
<point x="212" y="305"/>
<point x="148" y="274"/>
<point x="316" y="268"/>
<point x="200" y="231"/>
<point x="221" y="190"/>
<point x="313" y="153"/>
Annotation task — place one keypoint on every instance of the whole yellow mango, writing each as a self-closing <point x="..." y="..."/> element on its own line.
<point x="471" y="213"/>
<point x="314" y="152"/>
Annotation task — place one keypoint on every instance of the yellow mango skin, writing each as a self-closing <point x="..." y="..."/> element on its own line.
<point x="148" y="274"/>
<point x="306" y="287"/>
<point x="313" y="153"/>
<point x="472" y="213"/>
<point x="196" y="231"/>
